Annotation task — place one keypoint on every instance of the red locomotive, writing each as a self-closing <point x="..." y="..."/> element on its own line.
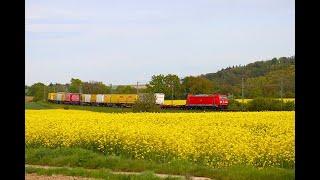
<point x="215" y="101"/>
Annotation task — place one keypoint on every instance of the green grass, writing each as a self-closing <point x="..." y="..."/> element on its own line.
<point x="37" y="105"/>
<point x="45" y="105"/>
<point x="99" y="173"/>
<point x="81" y="158"/>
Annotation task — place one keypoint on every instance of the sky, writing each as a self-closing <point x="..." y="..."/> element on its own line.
<point x="125" y="41"/>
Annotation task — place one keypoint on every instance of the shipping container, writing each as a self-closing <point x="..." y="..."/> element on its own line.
<point x="107" y="98"/>
<point x="86" y="98"/>
<point x="52" y="96"/>
<point x="93" y="98"/>
<point x="123" y="98"/>
<point x="99" y="98"/>
<point x="73" y="98"/>
<point x="131" y="98"/>
<point x="159" y="98"/>
<point x="60" y="96"/>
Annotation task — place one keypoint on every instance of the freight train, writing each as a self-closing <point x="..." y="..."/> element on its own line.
<point x="208" y="101"/>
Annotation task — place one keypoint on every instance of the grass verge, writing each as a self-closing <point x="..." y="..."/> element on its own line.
<point x="81" y="158"/>
<point x="45" y="105"/>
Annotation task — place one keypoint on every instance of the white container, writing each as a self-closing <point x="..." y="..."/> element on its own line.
<point x="159" y="98"/>
<point x="59" y="97"/>
<point x="87" y="98"/>
<point x="100" y="98"/>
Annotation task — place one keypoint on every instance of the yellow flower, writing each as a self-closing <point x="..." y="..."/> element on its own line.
<point x="217" y="139"/>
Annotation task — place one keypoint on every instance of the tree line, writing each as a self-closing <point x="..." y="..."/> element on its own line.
<point x="40" y="91"/>
<point x="272" y="78"/>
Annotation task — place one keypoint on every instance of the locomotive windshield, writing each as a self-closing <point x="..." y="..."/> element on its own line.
<point x="223" y="97"/>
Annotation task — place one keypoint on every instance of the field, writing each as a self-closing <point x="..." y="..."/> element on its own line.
<point x="213" y="139"/>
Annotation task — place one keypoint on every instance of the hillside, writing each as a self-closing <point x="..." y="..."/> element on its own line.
<point x="261" y="78"/>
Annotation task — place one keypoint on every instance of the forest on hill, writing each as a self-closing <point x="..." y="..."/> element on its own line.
<point x="260" y="79"/>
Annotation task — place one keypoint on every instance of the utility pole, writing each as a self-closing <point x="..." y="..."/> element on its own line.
<point x="110" y="88"/>
<point x="281" y="90"/>
<point x="242" y="88"/>
<point x="44" y="92"/>
<point x="242" y="96"/>
<point x="137" y="87"/>
<point x="172" y="93"/>
<point x="80" y="89"/>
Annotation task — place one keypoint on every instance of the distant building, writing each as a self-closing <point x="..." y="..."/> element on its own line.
<point x="140" y="86"/>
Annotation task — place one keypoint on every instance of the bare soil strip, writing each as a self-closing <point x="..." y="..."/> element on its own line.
<point x="113" y="172"/>
<point x="33" y="176"/>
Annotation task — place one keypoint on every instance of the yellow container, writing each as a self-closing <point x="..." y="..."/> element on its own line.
<point x="123" y="98"/>
<point x="53" y="96"/>
<point x="131" y="98"/>
<point x="50" y="96"/>
<point x="115" y="98"/>
<point x="175" y="102"/>
<point x="93" y="98"/>
<point x="107" y="98"/>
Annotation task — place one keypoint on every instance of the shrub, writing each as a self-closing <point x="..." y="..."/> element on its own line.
<point x="268" y="104"/>
<point x="289" y="106"/>
<point x="146" y="103"/>
<point x="236" y="105"/>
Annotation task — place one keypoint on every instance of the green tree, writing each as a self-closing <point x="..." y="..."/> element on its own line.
<point x="94" y="87"/>
<point x="157" y="84"/>
<point x="75" y="85"/>
<point x="197" y="85"/>
<point x="173" y="87"/>
<point x="38" y="91"/>
<point x="169" y="84"/>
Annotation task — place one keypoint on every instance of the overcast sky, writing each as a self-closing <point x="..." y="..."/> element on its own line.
<point x="124" y="41"/>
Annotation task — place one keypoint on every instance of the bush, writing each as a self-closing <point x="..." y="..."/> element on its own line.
<point x="236" y="105"/>
<point x="146" y="103"/>
<point x="289" y="106"/>
<point x="268" y="104"/>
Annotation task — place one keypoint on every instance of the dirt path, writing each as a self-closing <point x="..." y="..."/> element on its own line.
<point x="33" y="176"/>
<point x="37" y="177"/>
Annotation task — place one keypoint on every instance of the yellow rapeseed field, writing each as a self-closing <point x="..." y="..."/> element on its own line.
<point x="217" y="139"/>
